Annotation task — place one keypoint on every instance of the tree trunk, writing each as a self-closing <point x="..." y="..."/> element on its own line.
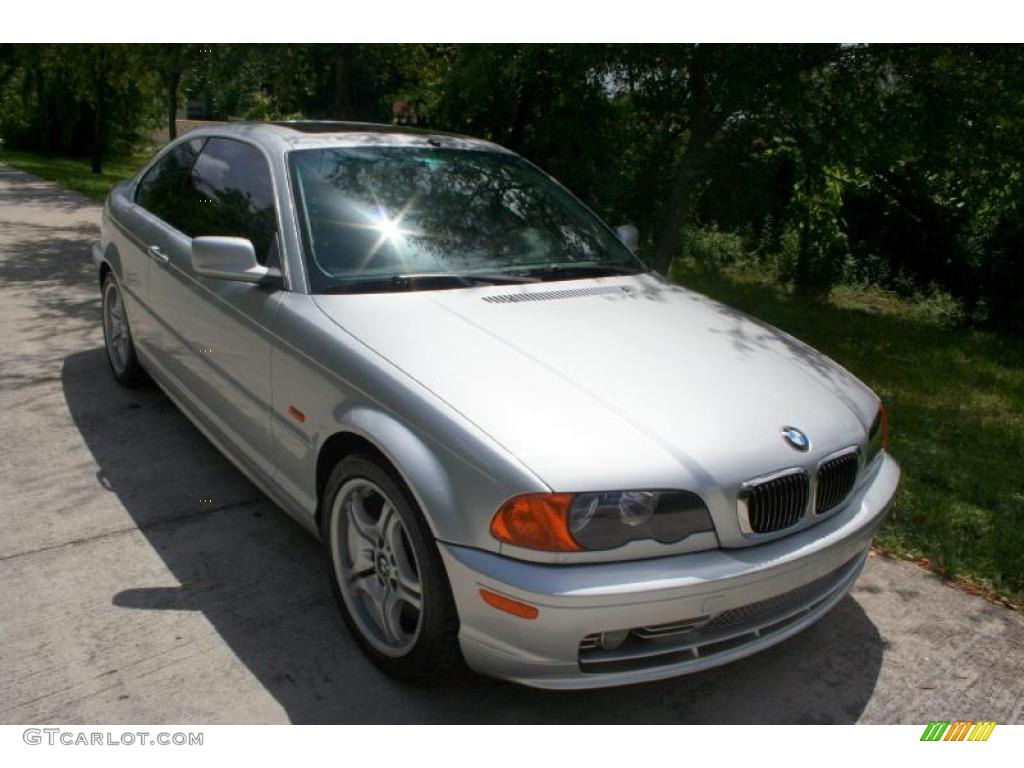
<point x="97" y="126"/>
<point x="670" y="236"/>
<point x="173" y="84"/>
<point x="523" y="108"/>
<point x="342" y="107"/>
<point x="803" y="278"/>
<point x="43" y="141"/>
<point x="533" y="80"/>
<point x="704" y="123"/>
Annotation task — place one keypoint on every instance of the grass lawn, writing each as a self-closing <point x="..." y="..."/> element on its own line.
<point x="77" y="174"/>
<point x="955" y="398"/>
<point x="956" y="408"/>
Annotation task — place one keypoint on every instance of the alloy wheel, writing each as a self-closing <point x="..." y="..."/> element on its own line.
<point x="115" y="327"/>
<point x="376" y="567"/>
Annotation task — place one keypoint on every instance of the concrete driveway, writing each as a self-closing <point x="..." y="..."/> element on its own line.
<point x="124" y="598"/>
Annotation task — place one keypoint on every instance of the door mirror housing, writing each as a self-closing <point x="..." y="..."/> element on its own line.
<point x="629" y="235"/>
<point x="229" y="258"/>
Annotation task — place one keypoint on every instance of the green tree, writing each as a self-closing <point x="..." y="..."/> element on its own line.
<point x="171" y="62"/>
<point x="687" y="97"/>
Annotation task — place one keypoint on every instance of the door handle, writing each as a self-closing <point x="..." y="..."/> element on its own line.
<point x="156" y="253"/>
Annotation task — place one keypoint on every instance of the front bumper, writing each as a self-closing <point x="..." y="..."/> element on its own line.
<point x="690" y="611"/>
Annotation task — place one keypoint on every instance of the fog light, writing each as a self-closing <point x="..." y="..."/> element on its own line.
<point x="612" y="640"/>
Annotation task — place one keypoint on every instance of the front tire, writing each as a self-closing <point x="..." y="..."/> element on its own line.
<point x="386" y="571"/>
<point x="117" y="337"/>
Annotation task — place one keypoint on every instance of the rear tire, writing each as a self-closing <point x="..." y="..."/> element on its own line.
<point x="386" y="572"/>
<point x="117" y="337"/>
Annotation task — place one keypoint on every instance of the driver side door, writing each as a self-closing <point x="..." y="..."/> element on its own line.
<point x="214" y="341"/>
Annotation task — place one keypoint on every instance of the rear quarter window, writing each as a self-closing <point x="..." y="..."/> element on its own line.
<point x="164" y="190"/>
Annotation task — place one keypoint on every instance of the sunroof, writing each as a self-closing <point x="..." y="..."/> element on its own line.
<point x="334" y="126"/>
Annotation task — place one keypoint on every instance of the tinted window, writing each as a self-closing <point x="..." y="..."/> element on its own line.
<point x="233" y="195"/>
<point x="164" y="190"/>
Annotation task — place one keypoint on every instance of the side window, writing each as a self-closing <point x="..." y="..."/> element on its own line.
<point x="233" y="195"/>
<point x="164" y="190"/>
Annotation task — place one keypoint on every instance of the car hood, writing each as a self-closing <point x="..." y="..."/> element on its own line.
<point x="618" y="382"/>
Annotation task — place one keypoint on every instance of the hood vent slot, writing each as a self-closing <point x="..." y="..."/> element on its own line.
<point x="568" y="293"/>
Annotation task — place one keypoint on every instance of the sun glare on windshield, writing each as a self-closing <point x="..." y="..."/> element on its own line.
<point x="371" y="213"/>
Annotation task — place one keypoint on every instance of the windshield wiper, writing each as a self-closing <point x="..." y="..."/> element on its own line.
<point x="416" y="281"/>
<point x="569" y="270"/>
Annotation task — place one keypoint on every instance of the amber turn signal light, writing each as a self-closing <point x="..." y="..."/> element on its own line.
<point x="508" y="605"/>
<point x="536" y="521"/>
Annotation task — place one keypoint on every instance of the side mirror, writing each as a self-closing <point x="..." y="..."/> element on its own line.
<point x="629" y="235"/>
<point x="229" y="258"/>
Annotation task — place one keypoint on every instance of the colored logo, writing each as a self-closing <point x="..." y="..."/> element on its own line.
<point x="958" y="730"/>
<point x="796" y="438"/>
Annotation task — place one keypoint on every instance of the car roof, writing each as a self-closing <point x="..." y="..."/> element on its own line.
<point x="284" y="135"/>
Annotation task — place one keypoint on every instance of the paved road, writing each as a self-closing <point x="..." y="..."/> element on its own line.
<point x="123" y="598"/>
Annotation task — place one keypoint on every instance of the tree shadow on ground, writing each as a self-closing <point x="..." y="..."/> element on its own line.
<point x="33" y="190"/>
<point x="47" y="259"/>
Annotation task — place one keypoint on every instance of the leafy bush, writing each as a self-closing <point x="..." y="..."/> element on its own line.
<point x="714" y="249"/>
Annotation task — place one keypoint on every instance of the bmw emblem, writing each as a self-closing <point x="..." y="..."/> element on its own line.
<point x="796" y="439"/>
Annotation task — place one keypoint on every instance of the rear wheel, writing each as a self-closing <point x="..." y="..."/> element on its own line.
<point x="386" y="571"/>
<point x="118" y="338"/>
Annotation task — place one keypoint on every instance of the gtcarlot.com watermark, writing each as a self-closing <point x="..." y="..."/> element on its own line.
<point x="74" y="738"/>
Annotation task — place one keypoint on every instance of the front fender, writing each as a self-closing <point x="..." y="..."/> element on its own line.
<point x="418" y="465"/>
<point x="457" y="475"/>
<point x="458" y="499"/>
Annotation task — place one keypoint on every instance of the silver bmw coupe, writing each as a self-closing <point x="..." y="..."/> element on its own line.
<point x="521" y="448"/>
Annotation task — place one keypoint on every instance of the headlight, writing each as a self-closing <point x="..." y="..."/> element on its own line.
<point x="566" y="522"/>
<point x="878" y="435"/>
<point x="609" y="520"/>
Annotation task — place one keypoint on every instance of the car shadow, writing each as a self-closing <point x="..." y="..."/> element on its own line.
<point x="258" y="578"/>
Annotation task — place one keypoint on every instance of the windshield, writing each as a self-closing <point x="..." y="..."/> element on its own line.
<point x="394" y="218"/>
